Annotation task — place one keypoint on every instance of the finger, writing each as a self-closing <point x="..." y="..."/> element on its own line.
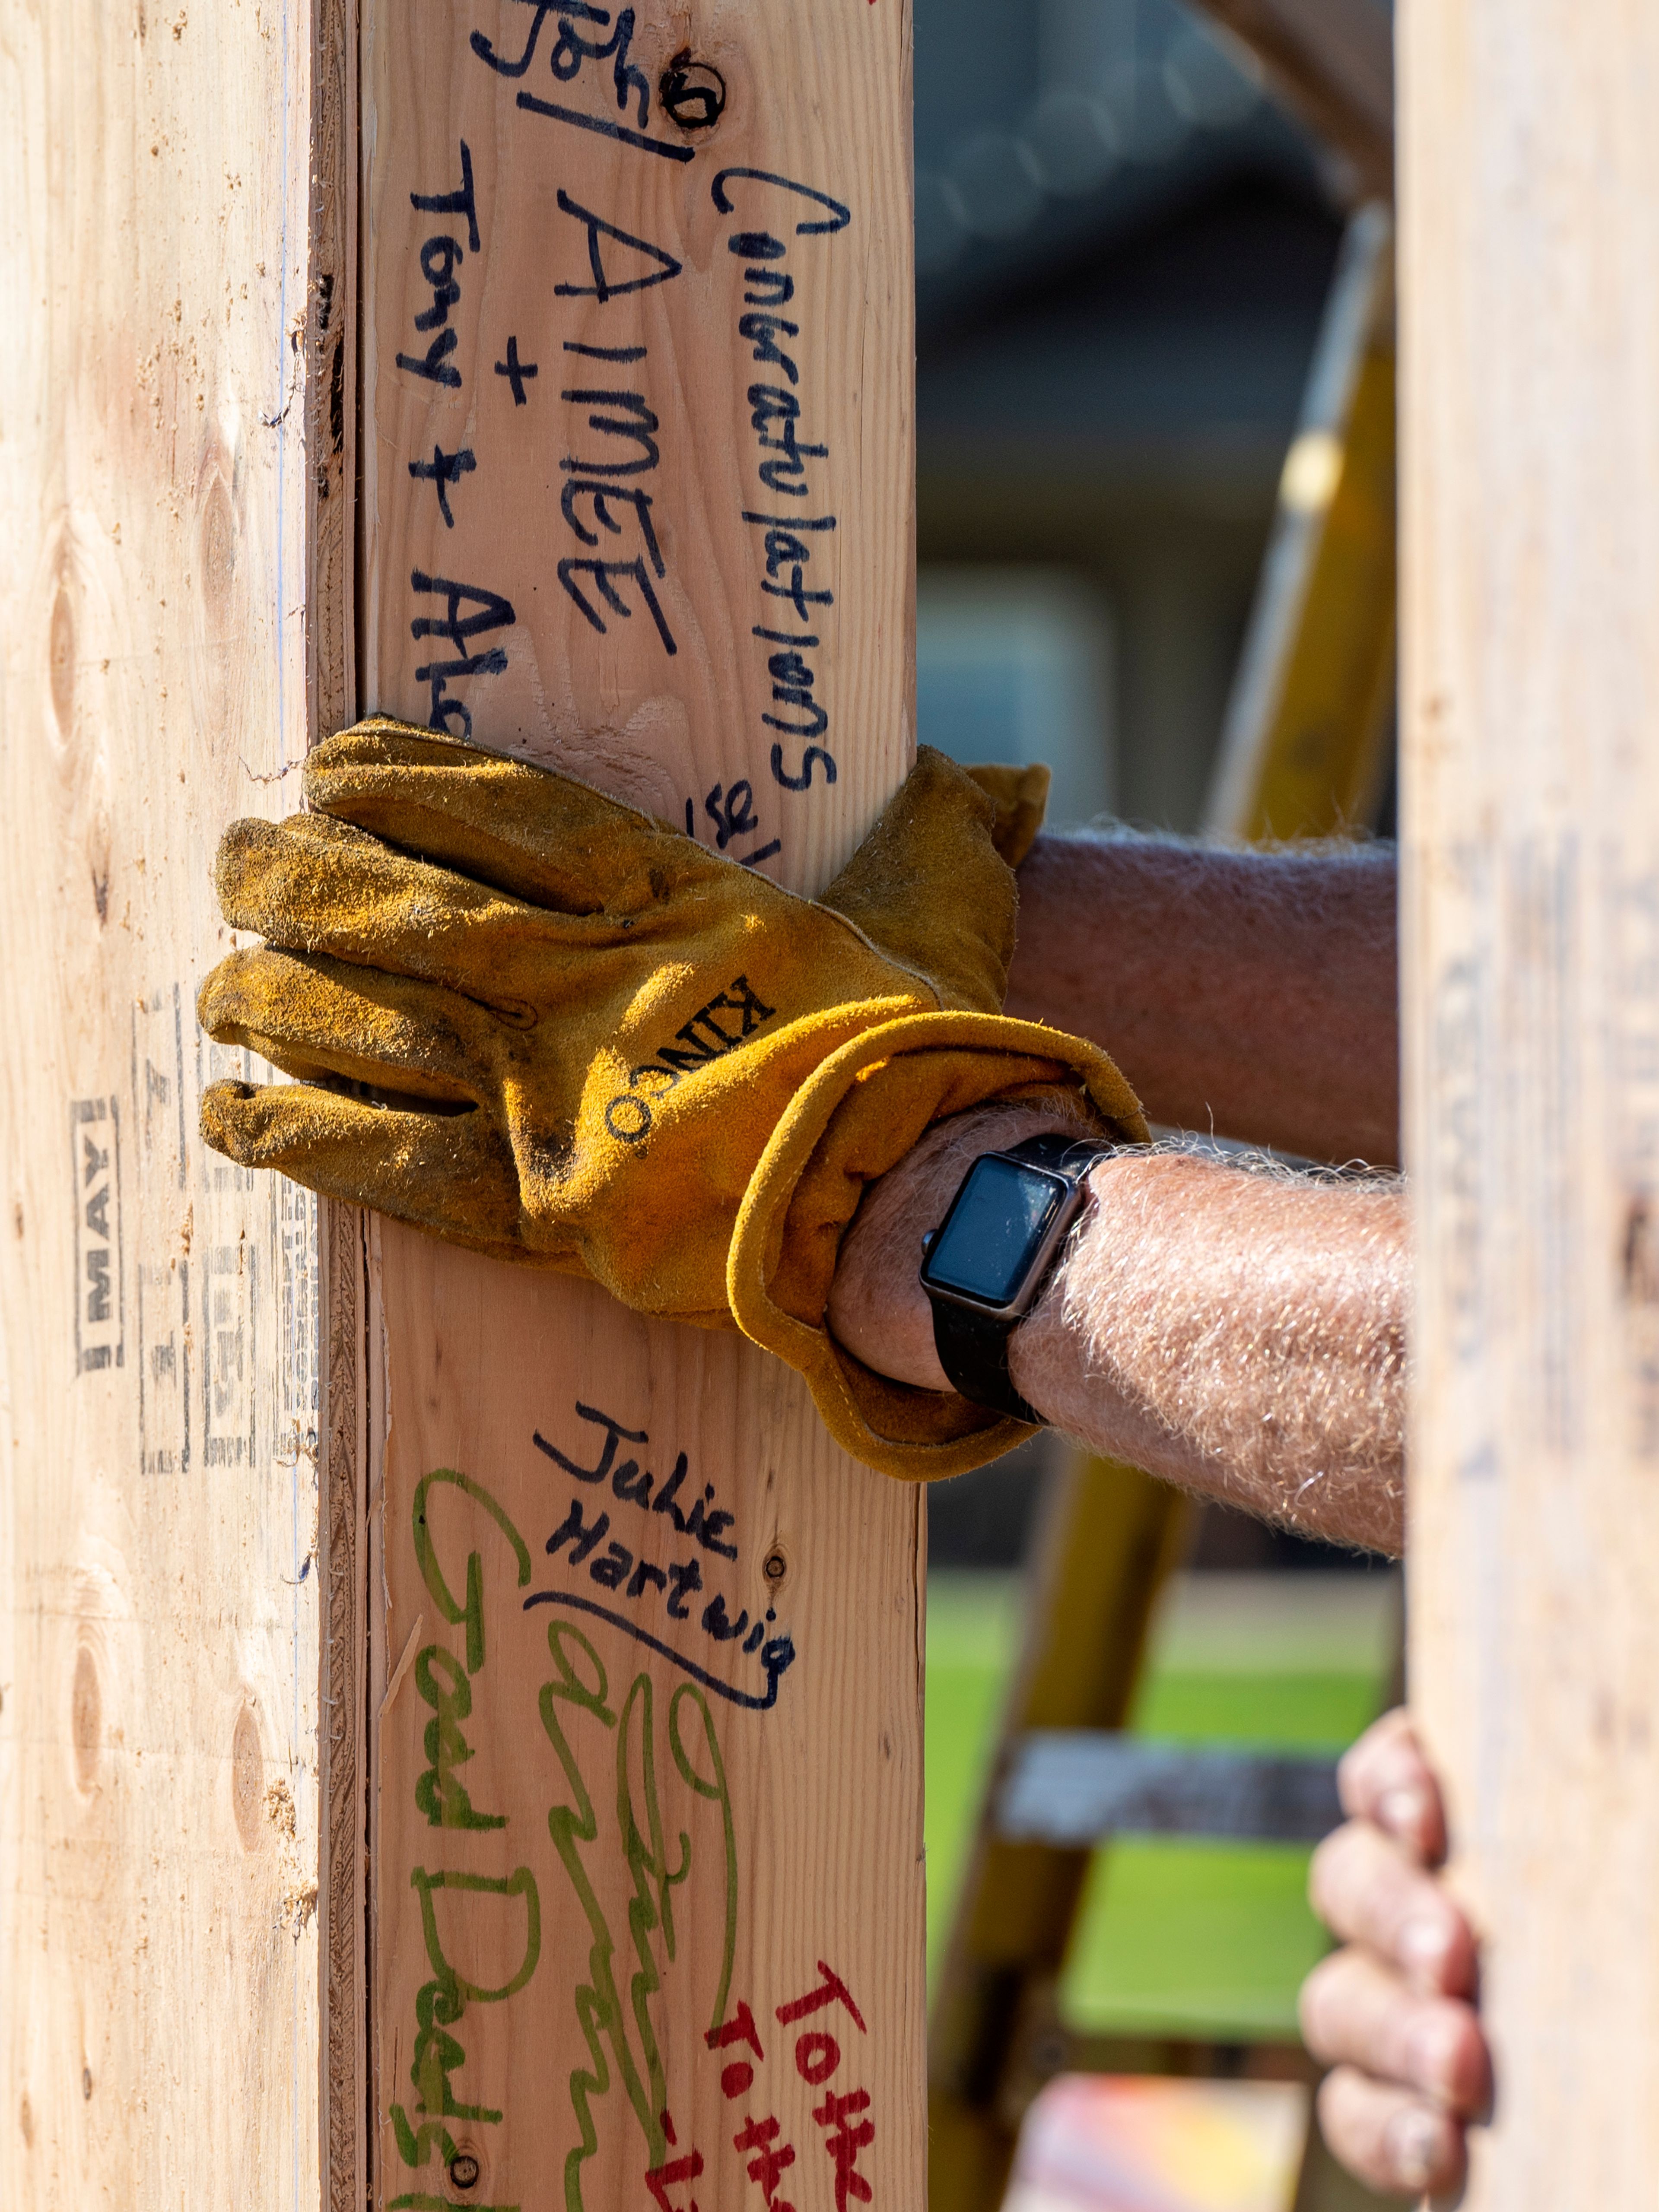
<point x="1390" y="2140"/>
<point x="1385" y="1778"/>
<point x="313" y="1016"/>
<point x="528" y="831"/>
<point x="451" y="1174"/>
<point x="313" y="884"/>
<point x="1369" y="1889"/>
<point x="1355" y="2012"/>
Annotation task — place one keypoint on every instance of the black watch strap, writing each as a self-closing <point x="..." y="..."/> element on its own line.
<point x="973" y="1350"/>
<point x="972" y="1344"/>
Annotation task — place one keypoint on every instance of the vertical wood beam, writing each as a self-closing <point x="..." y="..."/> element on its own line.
<point x="1529" y="170"/>
<point x="159" y="2034"/>
<point x="638" y="462"/>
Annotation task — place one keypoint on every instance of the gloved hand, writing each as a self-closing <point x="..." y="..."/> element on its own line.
<point x="532" y="1020"/>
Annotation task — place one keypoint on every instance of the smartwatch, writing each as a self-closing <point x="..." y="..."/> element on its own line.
<point x="985" y="1265"/>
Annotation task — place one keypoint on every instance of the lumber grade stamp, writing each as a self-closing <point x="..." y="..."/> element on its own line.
<point x="646" y="1883"/>
<point x="159" y="1940"/>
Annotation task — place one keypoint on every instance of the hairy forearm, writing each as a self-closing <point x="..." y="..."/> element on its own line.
<point x="1251" y="992"/>
<point x="1239" y="1333"/>
<point x="1243" y="1336"/>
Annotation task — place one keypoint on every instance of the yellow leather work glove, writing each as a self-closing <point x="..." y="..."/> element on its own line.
<point x="532" y="1020"/>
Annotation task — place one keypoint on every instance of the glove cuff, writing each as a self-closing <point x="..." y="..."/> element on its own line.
<point x="857" y="1115"/>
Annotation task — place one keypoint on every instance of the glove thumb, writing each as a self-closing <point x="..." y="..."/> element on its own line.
<point x="929" y="888"/>
<point x="1020" y="796"/>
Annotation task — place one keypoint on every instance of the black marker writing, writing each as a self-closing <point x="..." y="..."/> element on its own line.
<point x="443" y="470"/>
<point x="462" y="202"/>
<point x="636" y="423"/>
<point x="732" y="813"/>
<point x="604" y="574"/>
<point x="602" y="496"/>
<point x="633" y="1486"/>
<point x="597" y="585"/>
<point x="557" y="112"/>
<point x="840" y="217"/>
<point x="493" y="613"/>
<point x="604" y="353"/>
<point x="676" y="1583"/>
<point x="775" y="415"/>
<point x="571" y="49"/>
<point x="605" y="287"/>
<point x="785" y="456"/>
<point x="518" y="372"/>
<point x="777" y="1654"/>
<point x="441" y="255"/>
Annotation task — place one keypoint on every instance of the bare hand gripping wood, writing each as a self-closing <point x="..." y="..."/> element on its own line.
<point x="645" y="1882"/>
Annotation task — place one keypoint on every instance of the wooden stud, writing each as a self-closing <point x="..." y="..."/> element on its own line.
<point x="162" y="479"/>
<point x="637" y="467"/>
<point x="1529" y="172"/>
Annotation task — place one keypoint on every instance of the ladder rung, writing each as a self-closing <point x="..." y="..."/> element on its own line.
<point x="1073" y="1787"/>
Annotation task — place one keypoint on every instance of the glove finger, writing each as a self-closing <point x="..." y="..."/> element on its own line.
<point x="313" y="884"/>
<point x="928" y="886"/>
<point x="451" y="1174"/>
<point x="529" y="831"/>
<point x="311" y="1016"/>
<point x="1020" y="796"/>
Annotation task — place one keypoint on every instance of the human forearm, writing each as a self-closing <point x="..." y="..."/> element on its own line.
<point x="1250" y="1336"/>
<point x="1255" y="993"/>
<point x="1237" y="1334"/>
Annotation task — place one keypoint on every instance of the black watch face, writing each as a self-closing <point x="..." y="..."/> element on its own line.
<point x="992" y="1236"/>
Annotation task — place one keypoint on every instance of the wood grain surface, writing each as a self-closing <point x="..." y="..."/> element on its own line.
<point x="158" y="1309"/>
<point x="646" y="1845"/>
<point x="1531" y="234"/>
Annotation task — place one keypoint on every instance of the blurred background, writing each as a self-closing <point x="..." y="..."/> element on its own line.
<point x="1124" y="251"/>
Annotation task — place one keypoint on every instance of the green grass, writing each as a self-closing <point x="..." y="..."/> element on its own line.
<point x="1173" y="1934"/>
